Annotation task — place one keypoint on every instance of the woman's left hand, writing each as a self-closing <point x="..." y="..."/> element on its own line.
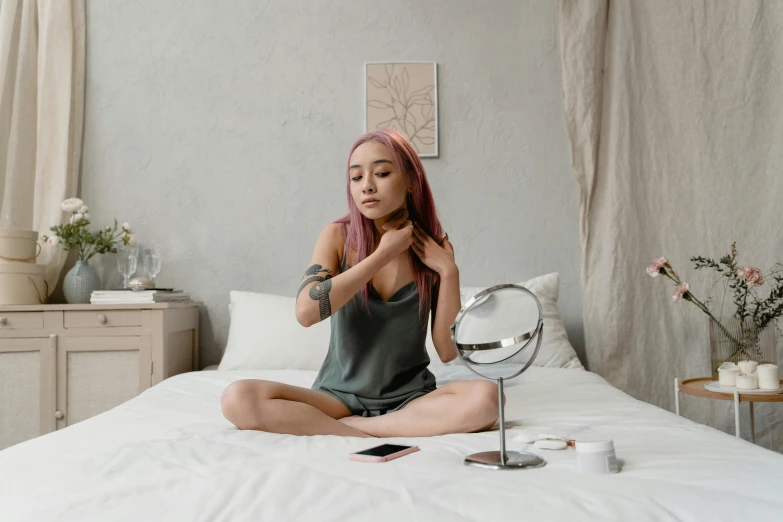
<point x="438" y="258"/>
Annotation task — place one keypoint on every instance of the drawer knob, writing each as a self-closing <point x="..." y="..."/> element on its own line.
<point x="58" y="415"/>
<point x="102" y="319"/>
<point x="3" y="321"/>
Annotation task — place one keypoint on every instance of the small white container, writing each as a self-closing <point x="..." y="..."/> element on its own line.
<point x="747" y="367"/>
<point x="728" y="376"/>
<point x="747" y="382"/>
<point x="769" y="378"/>
<point x="596" y="457"/>
<point x="22" y="284"/>
<point x="18" y="245"/>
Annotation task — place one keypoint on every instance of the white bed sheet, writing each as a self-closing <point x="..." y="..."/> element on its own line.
<point x="168" y="454"/>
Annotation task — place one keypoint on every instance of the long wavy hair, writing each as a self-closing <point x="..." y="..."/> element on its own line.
<point x="361" y="235"/>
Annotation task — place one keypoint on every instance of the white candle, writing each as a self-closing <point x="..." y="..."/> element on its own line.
<point x="747" y="367"/>
<point x="769" y="379"/>
<point x="747" y="382"/>
<point x="728" y="376"/>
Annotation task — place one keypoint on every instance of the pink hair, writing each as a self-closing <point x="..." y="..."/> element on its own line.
<point x="361" y="234"/>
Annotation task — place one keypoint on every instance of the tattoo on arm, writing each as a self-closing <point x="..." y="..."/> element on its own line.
<point x="315" y="269"/>
<point x="320" y="293"/>
<point x="312" y="271"/>
<point x="311" y="280"/>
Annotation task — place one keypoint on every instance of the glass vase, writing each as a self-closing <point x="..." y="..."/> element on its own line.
<point x="733" y="341"/>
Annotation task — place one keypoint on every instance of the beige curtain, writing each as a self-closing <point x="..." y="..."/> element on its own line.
<point x="675" y="116"/>
<point x="41" y="115"/>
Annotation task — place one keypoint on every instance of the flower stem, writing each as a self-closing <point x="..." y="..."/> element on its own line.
<point x="693" y="299"/>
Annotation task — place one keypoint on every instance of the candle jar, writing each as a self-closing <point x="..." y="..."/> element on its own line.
<point x="727" y="375"/>
<point x="769" y="378"/>
<point x="747" y="382"/>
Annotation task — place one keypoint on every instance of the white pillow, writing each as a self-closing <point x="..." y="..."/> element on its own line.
<point x="555" y="350"/>
<point x="265" y="335"/>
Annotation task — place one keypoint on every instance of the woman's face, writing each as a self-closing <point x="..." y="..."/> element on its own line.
<point x="378" y="187"/>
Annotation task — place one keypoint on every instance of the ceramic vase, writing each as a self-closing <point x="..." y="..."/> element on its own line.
<point x="79" y="283"/>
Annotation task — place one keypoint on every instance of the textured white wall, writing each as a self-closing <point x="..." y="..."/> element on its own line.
<point x="220" y="130"/>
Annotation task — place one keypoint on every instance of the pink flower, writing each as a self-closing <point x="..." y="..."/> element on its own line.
<point x="655" y="267"/>
<point x="680" y="291"/>
<point x="751" y="275"/>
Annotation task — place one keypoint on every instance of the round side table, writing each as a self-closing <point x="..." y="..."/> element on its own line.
<point x="696" y="388"/>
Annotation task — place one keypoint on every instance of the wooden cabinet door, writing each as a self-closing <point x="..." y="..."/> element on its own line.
<point x="95" y="374"/>
<point x="26" y="389"/>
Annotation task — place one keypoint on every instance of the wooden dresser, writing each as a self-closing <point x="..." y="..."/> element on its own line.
<point x="60" y="364"/>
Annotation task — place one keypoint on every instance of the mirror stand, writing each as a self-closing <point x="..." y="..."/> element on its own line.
<point x="504" y="459"/>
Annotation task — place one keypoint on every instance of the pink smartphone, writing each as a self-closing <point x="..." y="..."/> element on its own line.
<point x="383" y="453"/>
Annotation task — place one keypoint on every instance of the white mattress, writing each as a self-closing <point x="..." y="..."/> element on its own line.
<point x="170" y="455"/>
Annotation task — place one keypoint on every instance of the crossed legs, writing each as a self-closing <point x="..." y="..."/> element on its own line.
<point x="457" y="407"/>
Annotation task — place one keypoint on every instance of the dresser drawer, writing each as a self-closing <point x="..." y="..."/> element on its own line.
<point x="21" y="320"/>
<point x="102" y="319"/>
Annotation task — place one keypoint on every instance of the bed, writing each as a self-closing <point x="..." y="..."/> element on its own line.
<point x="169" y="454"/>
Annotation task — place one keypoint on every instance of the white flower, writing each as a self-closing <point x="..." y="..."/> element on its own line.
<point x="126" y="227"/>
<point x="78" y="217"/>
<point x="83" y="209"/>
<point x="131" y="239"/>
<point x="54" y="240"/>
<point x="72" y="205"/>
<point x="86" y="216"/>
<point x="108" y="229"/>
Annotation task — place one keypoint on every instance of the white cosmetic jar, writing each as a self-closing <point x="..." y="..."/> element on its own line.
<point x="596" y="457"/>
<point x="728" y="376"/>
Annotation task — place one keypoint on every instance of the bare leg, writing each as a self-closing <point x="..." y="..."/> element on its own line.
<point x="457" y="407"/>
<point x="253" y="404"/>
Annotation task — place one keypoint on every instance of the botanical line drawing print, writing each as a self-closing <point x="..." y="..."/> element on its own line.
<point x="402" y="96"/>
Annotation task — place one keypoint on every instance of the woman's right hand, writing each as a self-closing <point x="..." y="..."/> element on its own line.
<point x="397" y="238"/>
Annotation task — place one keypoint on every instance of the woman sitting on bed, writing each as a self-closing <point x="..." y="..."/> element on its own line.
<point x="377" y="273"/>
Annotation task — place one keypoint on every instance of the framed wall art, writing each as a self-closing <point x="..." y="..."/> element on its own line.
<point x="403" y="96"/>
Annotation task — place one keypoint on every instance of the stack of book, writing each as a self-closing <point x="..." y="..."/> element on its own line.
<point x="127" y="296"/>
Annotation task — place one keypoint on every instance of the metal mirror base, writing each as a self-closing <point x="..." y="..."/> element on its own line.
<point x="514" y="460"/>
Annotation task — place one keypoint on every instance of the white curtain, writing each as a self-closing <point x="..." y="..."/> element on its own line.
<point x="41" y="115"/>
<point x="675" y="115"/>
